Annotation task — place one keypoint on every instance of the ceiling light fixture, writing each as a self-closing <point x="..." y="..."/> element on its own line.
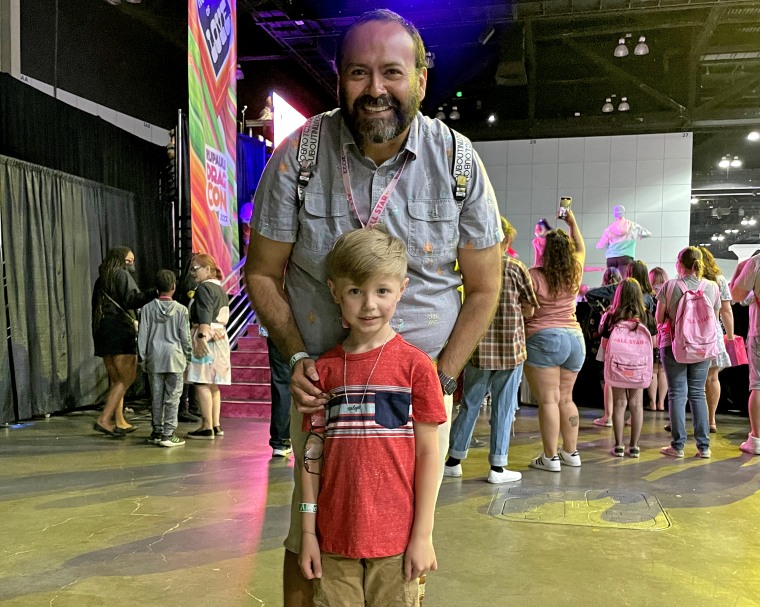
<point x="608" y="107"/>
<point x="624" y="105"/>
<point x="491" y="118"/>
<point x="695" y="200"/>
<point x="721" y="238"/>
<point x="454" y="113"/>
<point x="440" y="115"/>
<point x="724" y="162"/>
<point x="752" y="221"/>
<point x="714" y="237"/>
<point x="621" y="50"/>
<point x="754" y="136"/>
<point x="641" y="48"/>
<point x="736" y="163"/>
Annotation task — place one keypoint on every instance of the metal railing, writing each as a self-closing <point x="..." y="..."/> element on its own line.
<point x="241" y="312"/>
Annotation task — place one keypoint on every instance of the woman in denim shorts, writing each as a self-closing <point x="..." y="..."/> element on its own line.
<point x="555" y="346"/>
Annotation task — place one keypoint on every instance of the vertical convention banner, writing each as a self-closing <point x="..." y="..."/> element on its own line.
<point x="212" y="91"/>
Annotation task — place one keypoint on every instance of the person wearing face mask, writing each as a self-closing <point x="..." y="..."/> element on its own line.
<point x="115" y="300"/>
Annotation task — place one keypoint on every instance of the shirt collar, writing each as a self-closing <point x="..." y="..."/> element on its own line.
<point x="412" y="141"/>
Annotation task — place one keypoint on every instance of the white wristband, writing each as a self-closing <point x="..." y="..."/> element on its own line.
<point x="302" y="507"/>
<point x="296" y="357"/>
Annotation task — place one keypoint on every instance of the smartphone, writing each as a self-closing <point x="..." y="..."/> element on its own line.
<point x="565" y="202"/>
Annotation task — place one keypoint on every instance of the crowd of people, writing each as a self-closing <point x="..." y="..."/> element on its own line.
<point x="176" y="346"/>
<point x="352" y="272"/>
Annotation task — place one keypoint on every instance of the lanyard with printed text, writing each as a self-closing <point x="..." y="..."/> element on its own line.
<point x="382" y="201"/>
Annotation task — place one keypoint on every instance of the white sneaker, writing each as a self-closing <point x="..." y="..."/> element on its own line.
<point x="453" y="471"/>
<point x="569" y="459"/>
<point x="751" y="445"/>
<point x="505" y="476"/>
<point x="544" y="463"/>
<point x="282" y="451"/>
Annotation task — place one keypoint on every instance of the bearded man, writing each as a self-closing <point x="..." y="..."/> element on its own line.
<point x="379" y="160"/>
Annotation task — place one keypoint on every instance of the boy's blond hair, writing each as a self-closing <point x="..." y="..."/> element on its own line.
<point x="360" y="255"/>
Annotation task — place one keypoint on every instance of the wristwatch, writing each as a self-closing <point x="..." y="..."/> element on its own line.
<point x="449" y="384"/>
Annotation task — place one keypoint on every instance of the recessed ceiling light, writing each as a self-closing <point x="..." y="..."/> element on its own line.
<point x="754" y="136"/>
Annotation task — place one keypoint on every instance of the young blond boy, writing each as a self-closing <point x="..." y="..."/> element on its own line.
<point x="371" y="466"/>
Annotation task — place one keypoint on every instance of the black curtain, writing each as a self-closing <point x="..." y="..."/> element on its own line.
<point x="37" y="128"/>
<point x="54" y="227"/>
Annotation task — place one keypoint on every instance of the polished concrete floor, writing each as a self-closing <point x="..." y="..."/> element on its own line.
<point x="86" y="520"/>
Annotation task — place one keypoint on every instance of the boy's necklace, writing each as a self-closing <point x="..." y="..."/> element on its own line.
<point x="369" y="377"/>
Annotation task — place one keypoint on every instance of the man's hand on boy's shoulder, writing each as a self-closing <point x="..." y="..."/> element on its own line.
<point x="307" y="396"/>
<point x="419" y="557"/>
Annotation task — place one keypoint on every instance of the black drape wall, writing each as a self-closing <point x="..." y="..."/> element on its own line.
<point x="36" y="128"/>
<point x="86" y="186"/>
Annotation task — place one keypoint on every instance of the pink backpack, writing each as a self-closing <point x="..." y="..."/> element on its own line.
<point x="694" y="330"/>
<point x="628" y="356"/>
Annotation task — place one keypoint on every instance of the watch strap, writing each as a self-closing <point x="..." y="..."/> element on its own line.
<point x="448" y="384"/>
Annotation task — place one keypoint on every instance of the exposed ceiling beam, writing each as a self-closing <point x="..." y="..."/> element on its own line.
<point x="703" y="37"/>
<point x="530" y="61"/>
<point x="733" y="91"/>
<point x="262" y="57"/>
<point x="613" y="30"/>
<point x="620" y="74"/>
<point x="555" y="11"/>
<point x="311" y="67"/>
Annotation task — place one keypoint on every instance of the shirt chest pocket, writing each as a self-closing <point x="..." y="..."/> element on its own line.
<point x="433" y="228"/>
<point x="392" y="409"/>
<point x="323" y="218"/>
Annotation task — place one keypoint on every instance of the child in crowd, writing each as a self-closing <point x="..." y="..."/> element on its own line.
<point x="628" y="305"/>
<point x="371" y="468"/>
<point x="601" y="297"/>
<point x="658" y="389"/>
<point x="163" y="342"/>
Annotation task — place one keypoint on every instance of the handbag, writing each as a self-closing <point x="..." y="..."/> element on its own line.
<point x="132" y="321"/>
<point x="736" y="350"/>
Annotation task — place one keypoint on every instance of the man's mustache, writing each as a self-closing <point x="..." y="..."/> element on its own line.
<point x="382" y="101"/>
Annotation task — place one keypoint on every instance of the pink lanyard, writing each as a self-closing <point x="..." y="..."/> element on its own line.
<point x="382" y="201"/>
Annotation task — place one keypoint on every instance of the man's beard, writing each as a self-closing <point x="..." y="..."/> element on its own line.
<point x="379" y="130"/>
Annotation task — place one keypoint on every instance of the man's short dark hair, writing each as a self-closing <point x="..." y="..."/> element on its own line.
<point x="166" y="281"/>
<point x="387" y="16"/>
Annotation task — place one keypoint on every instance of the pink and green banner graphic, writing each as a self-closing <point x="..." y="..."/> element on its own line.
<point x="212" y="90"/>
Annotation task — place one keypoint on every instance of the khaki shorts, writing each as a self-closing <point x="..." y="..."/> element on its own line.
<point x="357" y="582"/>
<point x="298" y="441"/>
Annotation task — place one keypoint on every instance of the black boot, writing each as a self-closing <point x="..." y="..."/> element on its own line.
<point x="184" y="414"/>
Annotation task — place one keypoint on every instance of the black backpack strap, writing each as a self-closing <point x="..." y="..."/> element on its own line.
<point x="461" y="168"/>
<point x="308" y="146"/>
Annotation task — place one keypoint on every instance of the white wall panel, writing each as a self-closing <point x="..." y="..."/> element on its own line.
<point x="572" y="149"/>
<point x="649" y="174"/>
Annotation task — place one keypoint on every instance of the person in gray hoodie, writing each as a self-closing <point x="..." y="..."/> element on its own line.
<point x="163" y="343"/>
